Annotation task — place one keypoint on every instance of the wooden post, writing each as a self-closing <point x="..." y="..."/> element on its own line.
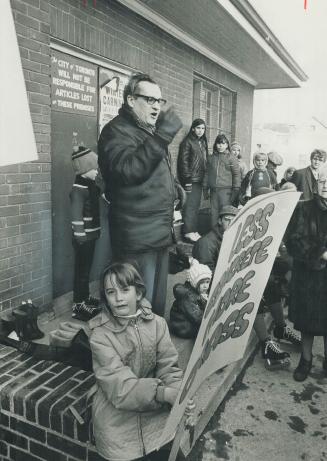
<point x="177" y="440"/>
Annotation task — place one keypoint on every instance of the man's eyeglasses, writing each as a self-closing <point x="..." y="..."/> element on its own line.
<point x="150" y="100"/>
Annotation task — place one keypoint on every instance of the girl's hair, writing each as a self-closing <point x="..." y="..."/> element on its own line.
<point x="196" y="122"/>
<point x="219" y="139"/>
<point x="288" y="170"/>
<point x="126" y="275"/>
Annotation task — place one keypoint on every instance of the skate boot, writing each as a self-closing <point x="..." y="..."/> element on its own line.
<point x="84" y="312"/>
<point x="275" y="358"/>
<point x="288" y="334"/>
<point x="92" y="301"/>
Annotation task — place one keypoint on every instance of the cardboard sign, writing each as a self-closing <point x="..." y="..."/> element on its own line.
<point x="73" y="85"/>
<point x="246" y="257"/>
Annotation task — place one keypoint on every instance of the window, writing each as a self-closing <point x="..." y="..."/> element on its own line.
<point x="217" y="106"/>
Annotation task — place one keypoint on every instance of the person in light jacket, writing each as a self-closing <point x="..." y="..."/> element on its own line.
<point x="135" y="366"/>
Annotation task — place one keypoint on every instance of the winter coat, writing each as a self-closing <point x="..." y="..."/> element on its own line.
<point x="305" y="182"/>
<point x="84" y="198"/>
<point x="187" y="311"/>
<point x="306" y="241"/>
<point x="223" y="171"/>
<point x="192" y="160"/>
<point x="206" y="249"/>
<point x="129" y="363"/>
<point x="135" y="166"/>
<point x="256" y="178"/>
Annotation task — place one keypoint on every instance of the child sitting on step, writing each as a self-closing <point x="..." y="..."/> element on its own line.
<point x="190" y="301"/>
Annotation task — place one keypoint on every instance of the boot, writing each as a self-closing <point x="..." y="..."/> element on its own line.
<point x="275" y="358"/>
<point x="302" y="371"/>
<point x="33" y="313"/>
<point x="288" y="334"/>
<point x="26" y="325"/>
<point x="324" y="365"/>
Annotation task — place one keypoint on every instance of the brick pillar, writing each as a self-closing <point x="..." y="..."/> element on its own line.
<point x="25" y="189"/>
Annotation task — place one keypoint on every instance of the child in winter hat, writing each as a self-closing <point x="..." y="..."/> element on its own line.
<point x="190" y="301"/>
<point x="84" y="160"/>
<point x="199" y="276"/>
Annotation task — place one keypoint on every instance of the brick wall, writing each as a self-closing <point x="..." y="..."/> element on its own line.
<point x="36" y="422"/>
<point x="25" y="202"/>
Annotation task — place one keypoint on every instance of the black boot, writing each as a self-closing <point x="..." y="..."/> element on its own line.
<point x="302" y="371"/>
<point x="26" y="325"/>
<point x="33" y="313"/>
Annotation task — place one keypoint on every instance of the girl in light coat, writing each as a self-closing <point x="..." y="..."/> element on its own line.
<point x="135" y="365"/>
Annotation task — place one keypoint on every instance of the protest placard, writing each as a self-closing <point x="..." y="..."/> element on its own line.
<point x="246" y="257"/>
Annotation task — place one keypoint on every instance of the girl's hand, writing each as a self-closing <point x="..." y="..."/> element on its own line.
<point x="189" y="413"/>
<point x="170" y="395"/>
<point x="190" y="407"/>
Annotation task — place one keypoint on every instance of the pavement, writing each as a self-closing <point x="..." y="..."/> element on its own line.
<point x="266" y="415"/>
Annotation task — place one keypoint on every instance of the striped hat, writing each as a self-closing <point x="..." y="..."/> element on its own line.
<point x="84" y="160"/>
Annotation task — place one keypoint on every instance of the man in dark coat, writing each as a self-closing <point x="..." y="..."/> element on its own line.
<point x="305" y="179"/>
<point x="206" y="249"/>
<point x="135" y="165"/>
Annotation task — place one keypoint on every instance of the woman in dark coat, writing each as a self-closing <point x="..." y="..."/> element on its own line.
<point x="306" y="241"/>
<point x="191" y="168"/>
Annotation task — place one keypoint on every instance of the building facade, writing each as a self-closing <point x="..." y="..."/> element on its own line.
<point x="208" y="58"/>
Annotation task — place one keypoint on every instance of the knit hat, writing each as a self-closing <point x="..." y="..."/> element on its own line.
<point x="198" y="272"/>
<point x="236" y="144"/>
<point x="84" y="160"/>
<point x="275" y="158"/>
<point x="228" y="209"/>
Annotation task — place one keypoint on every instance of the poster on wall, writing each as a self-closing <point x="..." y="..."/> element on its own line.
<point x="111" y="87"/>
<point x="73" y="85"/>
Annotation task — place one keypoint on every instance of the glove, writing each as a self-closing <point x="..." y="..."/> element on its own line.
<point x="168" y="125"/>
<point x="181" y="195"/>
<point x="170" y="395"/>
<point x="188" y="188"/>
<point x="206" y="194"/>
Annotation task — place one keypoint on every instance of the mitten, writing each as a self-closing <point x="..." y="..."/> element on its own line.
<point x="168" y="125"/>
<point x="206" y="193"/>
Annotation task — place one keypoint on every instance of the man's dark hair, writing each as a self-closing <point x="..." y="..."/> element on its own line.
<point x="321" y="154"/>
<point x="131" y="86"/>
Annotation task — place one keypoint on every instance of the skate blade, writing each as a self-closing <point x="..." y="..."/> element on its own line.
<point x="278" y="365"/>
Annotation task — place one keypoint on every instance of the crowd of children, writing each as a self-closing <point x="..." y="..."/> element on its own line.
<point x="134" y="360"/>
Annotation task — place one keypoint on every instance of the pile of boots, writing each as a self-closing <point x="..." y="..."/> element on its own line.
<point x="25" y="319"/>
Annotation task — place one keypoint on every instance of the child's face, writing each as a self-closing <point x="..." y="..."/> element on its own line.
<point x="199" y="130"/>
<point x="121" y="300"/>
<point x="226" y="221"/>
<point x="235" y="150"/>
<point x="289" y="173"/>
<point x="91" y="174"/>
<point x="221" y="146"/>
<point x="260" y="162"/>
<point x="203" y="286"/>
